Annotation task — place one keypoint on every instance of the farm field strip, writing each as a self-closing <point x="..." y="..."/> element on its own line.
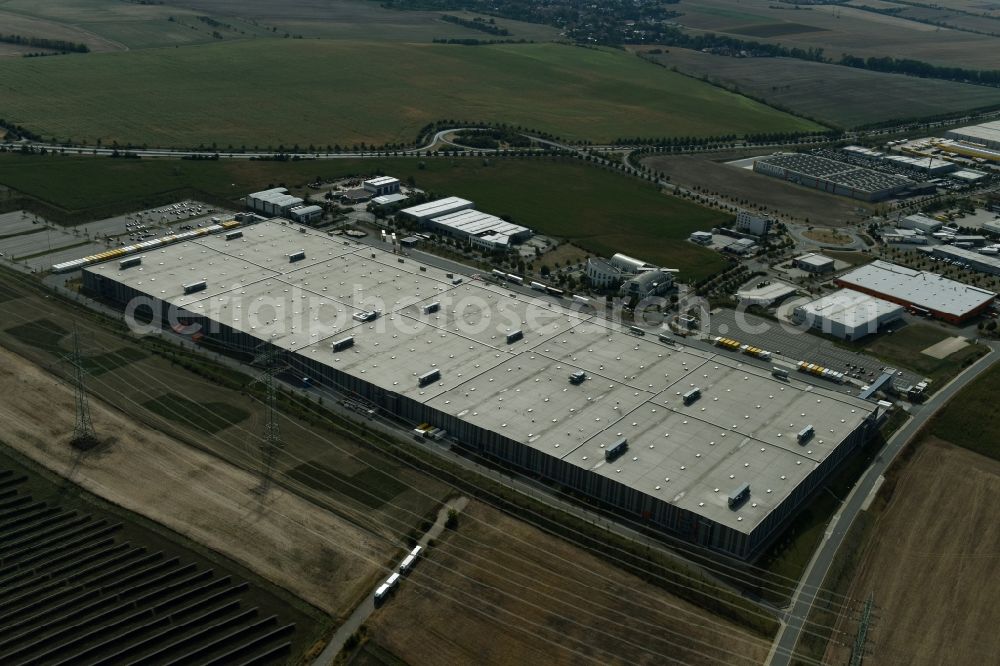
<point x="842" y="96"/>
<point x="604" y="212"/>
<point x="576" y="93"/>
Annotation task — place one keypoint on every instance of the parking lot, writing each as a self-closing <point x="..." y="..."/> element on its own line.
<point x="27" y="239"/>
<point x="797" y="345"/>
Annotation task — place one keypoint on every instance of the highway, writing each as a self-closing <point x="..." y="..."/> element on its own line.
<point x="812" y="579"/>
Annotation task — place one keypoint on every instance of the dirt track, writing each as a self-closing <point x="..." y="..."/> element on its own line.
<point x="932" y="563"/>
<point x="317" y="556"/>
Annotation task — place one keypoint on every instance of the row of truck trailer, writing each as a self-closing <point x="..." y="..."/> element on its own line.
<point x="802" y="366"/>
<point x="390" y="583"/>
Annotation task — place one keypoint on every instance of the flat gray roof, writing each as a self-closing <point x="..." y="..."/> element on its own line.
<point x="438" y="207"/>
<point x="851" y="308"/>
<point x="742" y="429"/>
<point x="927" y="290"/>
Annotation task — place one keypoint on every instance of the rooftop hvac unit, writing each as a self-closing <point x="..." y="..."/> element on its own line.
<point x="739" y="496"/>
<point x="128" y="263"/>
<point x="342" y="344"/>
<point x="619" y="447"/>
<point x="806" y="433"/>
<point x="297" y="256"/>
<point x="577" y="377"/>
<point x="691" y="396"/>
<point x="195" y="286"/>
<point x="371" y="315"/>
<point x="514" y="336"/>
<point x="233" y="235"/>
<point x="432" y="307"/>
<point x="429" y="377"/>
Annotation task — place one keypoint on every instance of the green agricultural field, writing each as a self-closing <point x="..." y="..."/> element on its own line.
<point x="841" y="96"/>
<point x="287" y="92"/>
<point x="971" y="419"/>
<point x="208" y="417"/>
<point x="904" y="348"/>
<point x="604" y="212"/>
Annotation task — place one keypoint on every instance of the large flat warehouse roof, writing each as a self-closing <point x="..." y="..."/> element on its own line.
<point x="741" y="430"/>
<point x="927" y="290"/>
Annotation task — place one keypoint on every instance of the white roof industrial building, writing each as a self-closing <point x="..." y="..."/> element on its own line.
<point x="814" y="263"/>
<point x="941" y="297"/>
<point x="976" y="260"/>
<point x="436" y="208"/>
<point x="920" y="221"/>
<point x="459" y="366"/>
<point x="480" y="227"/>
<point x="984" y="134"/>
<point x="848" y="314"/>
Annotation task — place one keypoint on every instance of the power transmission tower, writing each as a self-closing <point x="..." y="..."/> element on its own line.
<point x="271" y="443"/>
<point x="858" y="653"/>
<point x="84" y="435"/>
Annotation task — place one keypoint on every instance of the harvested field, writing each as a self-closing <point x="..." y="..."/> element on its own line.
<point x="841" y="96"/>
<point x="800" y="203"/>
<point x="30" y="26"/>
<point x="282" y="537"/>
<point x="845" y="30"/>
<point x="529" y="598"/>
<point x="932" y="564"/>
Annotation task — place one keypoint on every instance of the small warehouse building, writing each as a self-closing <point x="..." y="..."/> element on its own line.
<point x="306" y="214"/>
<point x="848" y="314"/>
<point x="814" y="263"/>
<point x="920" y="291"/>
<point x="701" y="237"/>
<point x="276" y="202"/>
<point x="920" y="222"/>
<point x="437" y="208"/>
<point x="479" y="229"/>
<point x="975" y="260"/>
<point x="382" y="185"/>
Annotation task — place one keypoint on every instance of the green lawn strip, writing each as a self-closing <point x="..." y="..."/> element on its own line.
<point x="208" y="417"/>
<point x="41" y="334"/>
<point x="971" y="419"/>
<point x="605" y="212"/>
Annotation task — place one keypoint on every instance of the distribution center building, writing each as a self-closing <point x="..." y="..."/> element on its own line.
<point x="848" y="314"/>
<point x="702" y="444"/>
<point x="985" y="134"/>
<point x="920" y="291"/>
<point x="832" y="176"/>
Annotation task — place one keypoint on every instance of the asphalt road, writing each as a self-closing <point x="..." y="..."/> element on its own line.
<point x="815" y="574"/>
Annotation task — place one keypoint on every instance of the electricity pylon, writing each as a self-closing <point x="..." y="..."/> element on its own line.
<point x="271" y="442"/>
<point x="84" y="435"/>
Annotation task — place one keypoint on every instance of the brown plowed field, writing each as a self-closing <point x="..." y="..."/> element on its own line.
<point x="932" y="563"/>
